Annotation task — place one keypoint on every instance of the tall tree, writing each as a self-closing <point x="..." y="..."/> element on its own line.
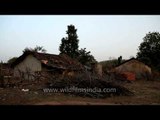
<point x="69" y="45"/>
<point x="149" y="50"/>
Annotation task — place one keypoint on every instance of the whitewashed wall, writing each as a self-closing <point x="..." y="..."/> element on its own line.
<point x="30" y="63"/>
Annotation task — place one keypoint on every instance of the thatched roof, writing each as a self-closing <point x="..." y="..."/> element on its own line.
<point x="53" y="61"/>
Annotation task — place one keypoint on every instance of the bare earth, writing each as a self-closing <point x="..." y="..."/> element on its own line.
<point x="146" y="93"/>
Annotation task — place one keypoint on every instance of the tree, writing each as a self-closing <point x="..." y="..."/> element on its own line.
<point x="69" y="45"/>
<point x="10" y="61"/>
<point x="36" y="49"/>
<point x="149" y="50"/>
<point x="40" y="49"/>
<point x="85" y="57"/>
<point x="119" y="60"/>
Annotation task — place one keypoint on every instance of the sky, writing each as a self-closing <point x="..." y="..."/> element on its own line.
<point x="106" y="36"/>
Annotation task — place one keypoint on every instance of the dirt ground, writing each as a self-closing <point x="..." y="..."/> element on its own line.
<point x="146" y="93"/>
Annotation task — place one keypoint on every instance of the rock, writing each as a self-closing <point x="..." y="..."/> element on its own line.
<point x="25" y="90"/>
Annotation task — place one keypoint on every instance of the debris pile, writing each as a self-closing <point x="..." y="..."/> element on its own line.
<point x="89" y="86"/>
<point x="116" y="77"/>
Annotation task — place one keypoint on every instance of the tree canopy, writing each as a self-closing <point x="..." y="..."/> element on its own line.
<point x="69" y="46"/>
<point x="36" y="49"/>
<point x="85" y="57"/>
<point x="149" y="50"/>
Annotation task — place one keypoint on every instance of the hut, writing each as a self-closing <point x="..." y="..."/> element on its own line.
<point x="133" y="69"/>
<point x="31" y="64"/>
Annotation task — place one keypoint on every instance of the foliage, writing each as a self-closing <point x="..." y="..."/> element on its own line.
<point x="69" y="45"/>
<point x="149" y="50"/>
<point x="119" y="60"/>
<point x="85" y="58"/>
<point x="10" y="61"/>
<point x="36" y="49"/>
<point x="109" y="64"/>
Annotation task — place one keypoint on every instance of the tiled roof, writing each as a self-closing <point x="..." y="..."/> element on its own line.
<point x="51" y="60"/>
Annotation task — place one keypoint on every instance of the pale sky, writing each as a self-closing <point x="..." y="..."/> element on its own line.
<point x="104" y="35"/>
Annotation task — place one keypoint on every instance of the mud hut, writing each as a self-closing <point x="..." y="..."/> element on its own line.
<point x="31" y="64"/>
<point x="133" y="69"/>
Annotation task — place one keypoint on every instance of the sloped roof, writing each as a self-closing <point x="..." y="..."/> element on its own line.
<point x="51" y="60"/>
<point x="131" y="60"/>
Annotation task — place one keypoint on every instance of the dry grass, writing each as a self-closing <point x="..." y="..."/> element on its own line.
<point x="146" y="93"/>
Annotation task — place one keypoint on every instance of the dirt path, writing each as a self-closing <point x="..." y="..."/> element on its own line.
<point x="73" y="103"/>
